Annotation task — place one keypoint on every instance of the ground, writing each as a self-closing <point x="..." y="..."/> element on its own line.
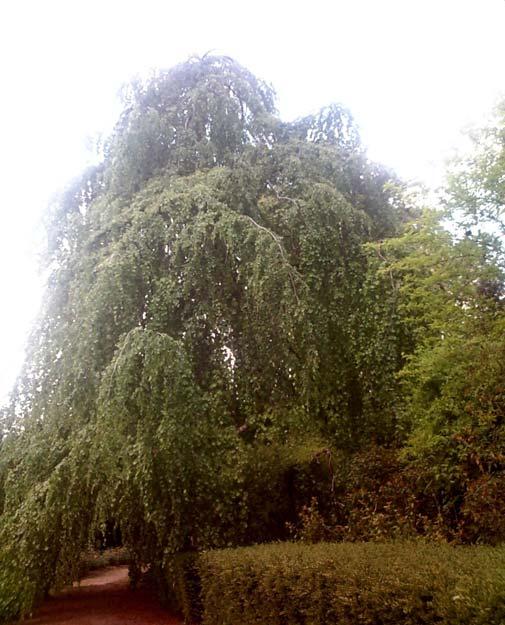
<point x="103" y="598"/>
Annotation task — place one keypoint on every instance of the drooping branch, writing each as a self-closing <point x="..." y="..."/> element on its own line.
<point x="290" y="267"/>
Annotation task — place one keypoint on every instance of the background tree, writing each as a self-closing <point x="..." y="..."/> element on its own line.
<point x="476" y="184"/>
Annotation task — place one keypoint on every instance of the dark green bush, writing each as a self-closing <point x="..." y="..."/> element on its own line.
<point x="403" y="583"/>
<point x="279" y="480"/>
<point x="183" y="586"/>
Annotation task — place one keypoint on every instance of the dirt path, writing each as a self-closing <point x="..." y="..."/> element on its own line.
<point x="103" y="598"/>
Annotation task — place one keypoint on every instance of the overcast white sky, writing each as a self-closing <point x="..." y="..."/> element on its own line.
<point x="413" y="72"/>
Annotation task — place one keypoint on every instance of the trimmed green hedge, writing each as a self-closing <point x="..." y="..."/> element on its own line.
<point x="345" y="584"/>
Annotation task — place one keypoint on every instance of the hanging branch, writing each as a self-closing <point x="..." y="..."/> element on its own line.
<point x="277" y="240"/>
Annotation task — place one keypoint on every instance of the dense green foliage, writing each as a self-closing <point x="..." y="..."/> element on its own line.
<point x="391" y="583"/>
<point x="241" y="313"/>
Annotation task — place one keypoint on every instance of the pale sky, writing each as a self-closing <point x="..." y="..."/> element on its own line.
<point x="413" y="72"/>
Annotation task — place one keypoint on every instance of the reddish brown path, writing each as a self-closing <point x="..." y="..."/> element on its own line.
<point x="103" y="598"/>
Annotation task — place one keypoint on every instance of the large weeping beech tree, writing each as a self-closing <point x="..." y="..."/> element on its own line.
<point x="208" y="294"/>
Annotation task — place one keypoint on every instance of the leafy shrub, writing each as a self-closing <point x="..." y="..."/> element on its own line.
<point x="454" y="493"/>
<point x="403" y="583"/>
<point x="372" y="495"/>
<point x="483" y="511"/>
